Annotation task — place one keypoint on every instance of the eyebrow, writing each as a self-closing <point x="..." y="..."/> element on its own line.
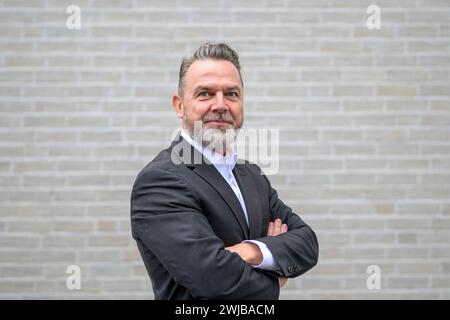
<point x="203" y="87"/>
<point x="233" y="88"/>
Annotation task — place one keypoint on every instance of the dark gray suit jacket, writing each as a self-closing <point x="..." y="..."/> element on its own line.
<point x="183" y="215"/>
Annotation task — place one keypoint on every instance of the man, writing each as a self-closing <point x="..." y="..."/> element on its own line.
<point x="206" y="226"/>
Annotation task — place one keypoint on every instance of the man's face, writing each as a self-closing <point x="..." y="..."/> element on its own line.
<point x="213" y="97"/>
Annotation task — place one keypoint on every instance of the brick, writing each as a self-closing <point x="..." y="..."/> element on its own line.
<point x="104" y="256"/>
<point x="56" y="136"/>
<point x="73" y="226"/>
<point x="407" y="282"/>
<point x="407" y="238"/>
<point x="440" y="253"/>
<point x="354" y="150"/>
<point x="411" y="31"/>
<point x="105" y="271"/>
<point x="386" y="135"/>
<point x="40" y="181"/>
<point x="440" y="282"/>
<point x="87" y="121"/>
<point x="342" y="135"/>
<point x="408" y="253"/>
<point x="344" y="179"/>
<point x="15" y="286"/>
<point x="9" y="122"/>
<point x="407" y="179"/>
<point x="373" y="238"/>
<point x="320" y="283"/>
<point x="363" y="224"/>
<point x="105" y="225"/>
<point x="87" y="180"/>
<point x="18" y="241"/>
<point x="335" y="238"/>
<point x="417" y="208"/>
<point x="407" y="164"/>
<point x="418" y="268"/>
<point x="54" y="256"/>
<point x="435" y="237"/>
<point x="430" y="135"/>
<point x="363" y="253"/>
<point x="64" y="240"/>
<point x="109" y="241"/>
<point x="77" y="165"/>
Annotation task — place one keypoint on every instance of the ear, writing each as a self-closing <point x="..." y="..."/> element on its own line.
<point x="177" y="105"/>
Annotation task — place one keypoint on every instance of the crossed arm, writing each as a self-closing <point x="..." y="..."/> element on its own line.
<point x="166" y="219"/>
<point x="295" y="251"/>
<point x="250" y="252"/>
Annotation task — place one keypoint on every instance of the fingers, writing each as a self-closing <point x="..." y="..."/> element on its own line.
<point x="231" y="248"/>
<point x="282" y="281"/>
<point x="270" y="230"/>
<point x="276" y="228"/>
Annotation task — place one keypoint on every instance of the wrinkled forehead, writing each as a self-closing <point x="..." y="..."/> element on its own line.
<point x="213" y="72"/>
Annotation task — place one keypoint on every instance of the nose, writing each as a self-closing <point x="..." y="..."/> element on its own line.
<point x="219" y="103"/>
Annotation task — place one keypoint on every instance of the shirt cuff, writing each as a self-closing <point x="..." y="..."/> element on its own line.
<point x="268" y="262"/>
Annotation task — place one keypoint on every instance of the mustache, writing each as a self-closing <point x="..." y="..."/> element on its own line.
<point x="218" y="116"/>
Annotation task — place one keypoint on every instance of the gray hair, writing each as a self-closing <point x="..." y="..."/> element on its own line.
<point x="219" y="51"/>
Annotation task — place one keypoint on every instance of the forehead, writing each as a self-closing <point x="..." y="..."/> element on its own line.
<point x="208" y="71"/>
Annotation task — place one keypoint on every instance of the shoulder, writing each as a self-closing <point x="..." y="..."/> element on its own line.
<point x="160" y="168"/>
<point x="252" y="169"/>
<point x="162" y="181"/>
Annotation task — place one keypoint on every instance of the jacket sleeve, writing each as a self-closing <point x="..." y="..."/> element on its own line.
<point x="295" y="251"/>
<point x="166" y="216"/>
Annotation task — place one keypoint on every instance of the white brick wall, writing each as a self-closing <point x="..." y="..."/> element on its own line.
<point x="364" y="118"/>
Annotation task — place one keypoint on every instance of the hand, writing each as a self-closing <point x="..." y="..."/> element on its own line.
<point x="249" y="252"/>
<point x="282" y="281"/>
<point x="276" y="228"/>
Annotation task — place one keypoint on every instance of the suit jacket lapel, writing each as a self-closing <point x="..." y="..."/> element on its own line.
<point x="251" y="198"/>
<point x="210" y="174"/>
<point x="214" y="178"/>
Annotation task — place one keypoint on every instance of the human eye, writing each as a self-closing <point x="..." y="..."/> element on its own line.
<point x="232" y="94"/>
<point x="203" y="94"/>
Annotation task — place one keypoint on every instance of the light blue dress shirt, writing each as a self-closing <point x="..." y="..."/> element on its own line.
<point x="225" y="165"/>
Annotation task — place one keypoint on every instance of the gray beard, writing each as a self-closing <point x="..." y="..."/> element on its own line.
<point x="221" y="141"/>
